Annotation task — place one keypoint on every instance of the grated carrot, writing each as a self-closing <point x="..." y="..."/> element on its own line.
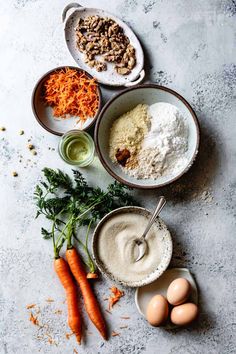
<point x="30" y="306"/>
<point x="114" y="334"/>
<point x="34" y="319"/>
<point x="71" y="93"/>
<point x="117" y="294"/>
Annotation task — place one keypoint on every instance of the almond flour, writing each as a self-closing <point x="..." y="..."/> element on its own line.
<point x="127" y="133"/>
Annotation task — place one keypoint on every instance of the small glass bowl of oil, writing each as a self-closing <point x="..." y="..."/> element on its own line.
<point x="76" y="147"/>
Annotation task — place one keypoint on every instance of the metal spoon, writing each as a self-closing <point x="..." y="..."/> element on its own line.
<point x="141" y="242"/>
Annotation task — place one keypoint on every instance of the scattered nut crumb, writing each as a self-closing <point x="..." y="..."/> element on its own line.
<point x="34" y="152"/>
<point x="207" y="196"/>
<point x="21" y="132"/>
<point x="2" y="129"/>
<point x="30" y="146"/>
<point x="14" y="174"/>
<point x="122" y="327"/>
<point x="68" y="335"/>
<point x="58" y="312"/>
<point x="49" y="300"/>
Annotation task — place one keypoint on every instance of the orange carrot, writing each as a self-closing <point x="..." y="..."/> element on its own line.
<point x="90" y="301"/>
<point x="63" y="271"/>
<point x="117" y="294"/>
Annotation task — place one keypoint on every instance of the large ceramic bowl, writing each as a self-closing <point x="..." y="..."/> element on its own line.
<point x="44" y="113"/>
<point x="127" y="100"/>
<point x="165" y="239"/>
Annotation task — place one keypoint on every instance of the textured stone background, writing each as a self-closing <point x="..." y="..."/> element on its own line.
<point x="189" y="47"/>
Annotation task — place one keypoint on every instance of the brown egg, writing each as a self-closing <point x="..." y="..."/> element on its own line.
<point x="157" y="310"/>
<point x="184" y="314"/>
<point x="178" y="291"/>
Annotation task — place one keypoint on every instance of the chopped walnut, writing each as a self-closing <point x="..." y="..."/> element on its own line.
<point x="98" y="36"/>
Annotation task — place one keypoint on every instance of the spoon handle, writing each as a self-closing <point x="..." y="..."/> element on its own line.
<point x="157" y="211"/>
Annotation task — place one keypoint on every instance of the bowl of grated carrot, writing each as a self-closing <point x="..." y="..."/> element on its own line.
<point x="66" y="98"/>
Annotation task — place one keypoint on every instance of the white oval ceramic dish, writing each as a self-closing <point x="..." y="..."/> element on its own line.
<point x="44" y="113"/>
<point x="166" y="247"/>
<point x="110" y="76"/>
<point x="144" y="294"/>
<point x="124" y="102"/>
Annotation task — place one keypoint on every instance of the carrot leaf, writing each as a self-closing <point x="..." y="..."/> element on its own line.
<point x="71" y="204"/>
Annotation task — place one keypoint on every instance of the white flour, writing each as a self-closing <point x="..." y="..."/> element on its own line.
<point x="164" y="148"/>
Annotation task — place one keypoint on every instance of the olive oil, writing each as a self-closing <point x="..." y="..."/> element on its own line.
<point x="77" y="148"/>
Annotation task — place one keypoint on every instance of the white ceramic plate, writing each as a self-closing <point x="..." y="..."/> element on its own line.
<point x="144" y="294"/>
<point x="124" y="102"/>
<point x="110" y="76"/>
<point x="166" y="242"/>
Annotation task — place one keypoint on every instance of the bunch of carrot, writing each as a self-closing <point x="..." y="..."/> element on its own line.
<point x="66" y="272"/>
<point x="70" y="204"/>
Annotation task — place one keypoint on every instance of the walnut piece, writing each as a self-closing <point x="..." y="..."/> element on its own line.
<point x="103" y="37"/>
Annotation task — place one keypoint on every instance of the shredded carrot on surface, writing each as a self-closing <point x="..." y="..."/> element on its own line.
<point x="68" y="335"/>
<point x="34" y="319"/>
<point x="125" y="317"/>
<point x="30" y="306"/>
<point x="113" y="299"/>
<point x="71" y="93"/>
<point x="75" y="351"/>
<point x="114" y="334"/>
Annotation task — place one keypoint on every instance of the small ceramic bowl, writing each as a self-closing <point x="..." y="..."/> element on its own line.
<point x="124" y="102"/>
<point x="165" y="239"/>
<point x="144" y="294"/>
<point x="67" y="145"/>
<point x="44" y="113"/>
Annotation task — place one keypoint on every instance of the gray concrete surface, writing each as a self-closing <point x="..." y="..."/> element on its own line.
<point x="190" y="47"/>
